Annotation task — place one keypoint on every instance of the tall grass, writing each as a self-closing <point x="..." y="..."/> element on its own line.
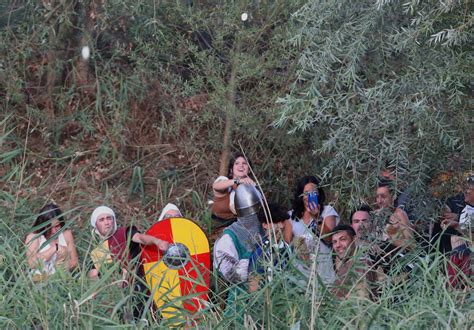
<point x="289" y="300"/>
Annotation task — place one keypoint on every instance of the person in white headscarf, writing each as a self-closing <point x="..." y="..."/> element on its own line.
<point x="120" y="244"/>
<point x="170" y="211"/>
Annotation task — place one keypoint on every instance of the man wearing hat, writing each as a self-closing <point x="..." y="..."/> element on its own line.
<point x="120" y="245"/>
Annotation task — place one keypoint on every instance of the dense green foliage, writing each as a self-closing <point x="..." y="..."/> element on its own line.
<point x="384" y="84"/>
<point x="359" y="85"/>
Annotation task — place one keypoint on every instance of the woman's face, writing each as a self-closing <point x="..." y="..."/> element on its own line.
<point x="240" y="168"/>
<point x="55" y="227"/>
<point x="308" y="188"/>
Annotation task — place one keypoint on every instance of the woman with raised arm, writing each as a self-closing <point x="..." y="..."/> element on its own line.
<point x="48" y="245"/>
<point x="223" y="209"/>
<point x="311" y="222"/>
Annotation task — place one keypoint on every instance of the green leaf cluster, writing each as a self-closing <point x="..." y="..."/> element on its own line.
<point x="383" y="84"/>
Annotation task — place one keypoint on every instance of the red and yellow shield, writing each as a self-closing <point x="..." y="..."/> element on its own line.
<point x="180" y="276"/>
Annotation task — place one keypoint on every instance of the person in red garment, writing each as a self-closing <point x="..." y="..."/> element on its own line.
<point x="119" y="245"/>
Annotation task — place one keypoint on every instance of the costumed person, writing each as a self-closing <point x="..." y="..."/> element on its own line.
<point x="234" y="248"/>
<point x="170" y="211"/>
<point x="49" y="247"/>
<point x="223" y="206"/>
<point x="120" y="245"/>
<point x="272" y="254"/>
<point x="311" y="222"/>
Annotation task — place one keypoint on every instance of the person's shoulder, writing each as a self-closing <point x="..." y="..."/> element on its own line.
<point x="297" y="227"/>
<point x="31" y="237"/>
<point x="226" y="234"/>
<point x="68" y="234"/>
<point x="223" y="242"/>
<point x="401" y="212"/>
<point x="468" y="209"/>
<point x="329" y="210"/>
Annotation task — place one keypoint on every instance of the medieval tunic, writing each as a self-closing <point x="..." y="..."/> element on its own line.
<point x="119" y="247"/>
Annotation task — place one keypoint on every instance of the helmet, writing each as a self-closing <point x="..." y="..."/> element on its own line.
<point x="247" y="200"/>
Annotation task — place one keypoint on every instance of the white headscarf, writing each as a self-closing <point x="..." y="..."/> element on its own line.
<point x="102" y="210"/>
<point x="168" y="207"/>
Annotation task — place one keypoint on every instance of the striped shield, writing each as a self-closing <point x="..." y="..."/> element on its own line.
<point x="178" y="278"/>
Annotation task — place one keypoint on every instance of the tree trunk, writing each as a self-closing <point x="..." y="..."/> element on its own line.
<point x="50" y="81"/>
<point x="83" y="74"/>
<point x="230" y="108"/>
<point x="58" y="38"/>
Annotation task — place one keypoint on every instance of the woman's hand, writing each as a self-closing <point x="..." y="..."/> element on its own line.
<point x="246" y="180"/>
<point x="313" y="209"/>
<point x="162" y="245"/>
<point x="446" y="223"/>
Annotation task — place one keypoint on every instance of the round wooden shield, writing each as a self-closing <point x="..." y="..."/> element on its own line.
<point x="179" y="277"/>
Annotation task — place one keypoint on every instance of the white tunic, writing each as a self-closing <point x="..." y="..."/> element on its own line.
<point x="48" y="266"/>
<point x="226" y="260"/>
<point x="324" y="262"/>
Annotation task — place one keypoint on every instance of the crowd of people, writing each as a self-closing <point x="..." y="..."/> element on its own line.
<point x="352" y="257"/>
<point x="358" y="256"/>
